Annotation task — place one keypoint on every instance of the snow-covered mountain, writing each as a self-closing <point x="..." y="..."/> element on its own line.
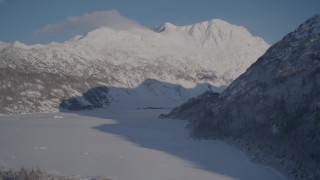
<point x="3" y="45"/>
<point x="38" y="77"/>
<point x="272" y="111"/>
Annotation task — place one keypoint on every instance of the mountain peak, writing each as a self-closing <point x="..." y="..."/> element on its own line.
<point x="169" y="25"/>
<point x="313" y="22"/>
<point x="165" y="27"/>
<point x="216" y="29"/>
<point x="217" y="21"/>
<point x="315" y="18"/>
<point x="309" y="27"/>
<point x="213" y="23"/>
<point x="216" y="32"/>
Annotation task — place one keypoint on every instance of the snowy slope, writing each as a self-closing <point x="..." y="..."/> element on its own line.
<point x="272" y="110"/>
<point x="212" y="52"/>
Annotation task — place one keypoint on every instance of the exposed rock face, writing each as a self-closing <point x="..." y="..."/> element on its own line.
<point x="37" y="78"/>
<point x="272" y="111"/>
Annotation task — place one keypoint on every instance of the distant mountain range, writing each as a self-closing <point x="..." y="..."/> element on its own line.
<point x="272" y="111"/>
<point x="167" y="64"/>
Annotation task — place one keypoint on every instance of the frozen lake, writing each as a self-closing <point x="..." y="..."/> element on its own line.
<point x="122" y="145"/>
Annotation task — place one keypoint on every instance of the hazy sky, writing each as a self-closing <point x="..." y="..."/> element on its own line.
<point x="43" y="21"/>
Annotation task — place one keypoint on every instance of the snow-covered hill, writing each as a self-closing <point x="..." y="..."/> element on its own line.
<point x="39" y="77"/>
<point x="272" y="110"/>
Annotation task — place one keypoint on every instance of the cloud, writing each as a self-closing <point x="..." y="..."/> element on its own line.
<point x="87" y="22"/>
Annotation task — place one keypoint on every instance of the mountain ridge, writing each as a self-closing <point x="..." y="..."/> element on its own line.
<point x="125" y="59"/>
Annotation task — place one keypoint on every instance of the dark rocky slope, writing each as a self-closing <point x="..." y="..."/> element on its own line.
<point x="272" y="111"/>
<point x="194" y="108"/>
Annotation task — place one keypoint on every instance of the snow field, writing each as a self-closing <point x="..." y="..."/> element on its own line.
<point x="131" y="144"/>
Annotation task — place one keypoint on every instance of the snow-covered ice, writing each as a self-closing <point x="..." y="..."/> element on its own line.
<point x="123" y="145"/>
<point x="58" y="117"/>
